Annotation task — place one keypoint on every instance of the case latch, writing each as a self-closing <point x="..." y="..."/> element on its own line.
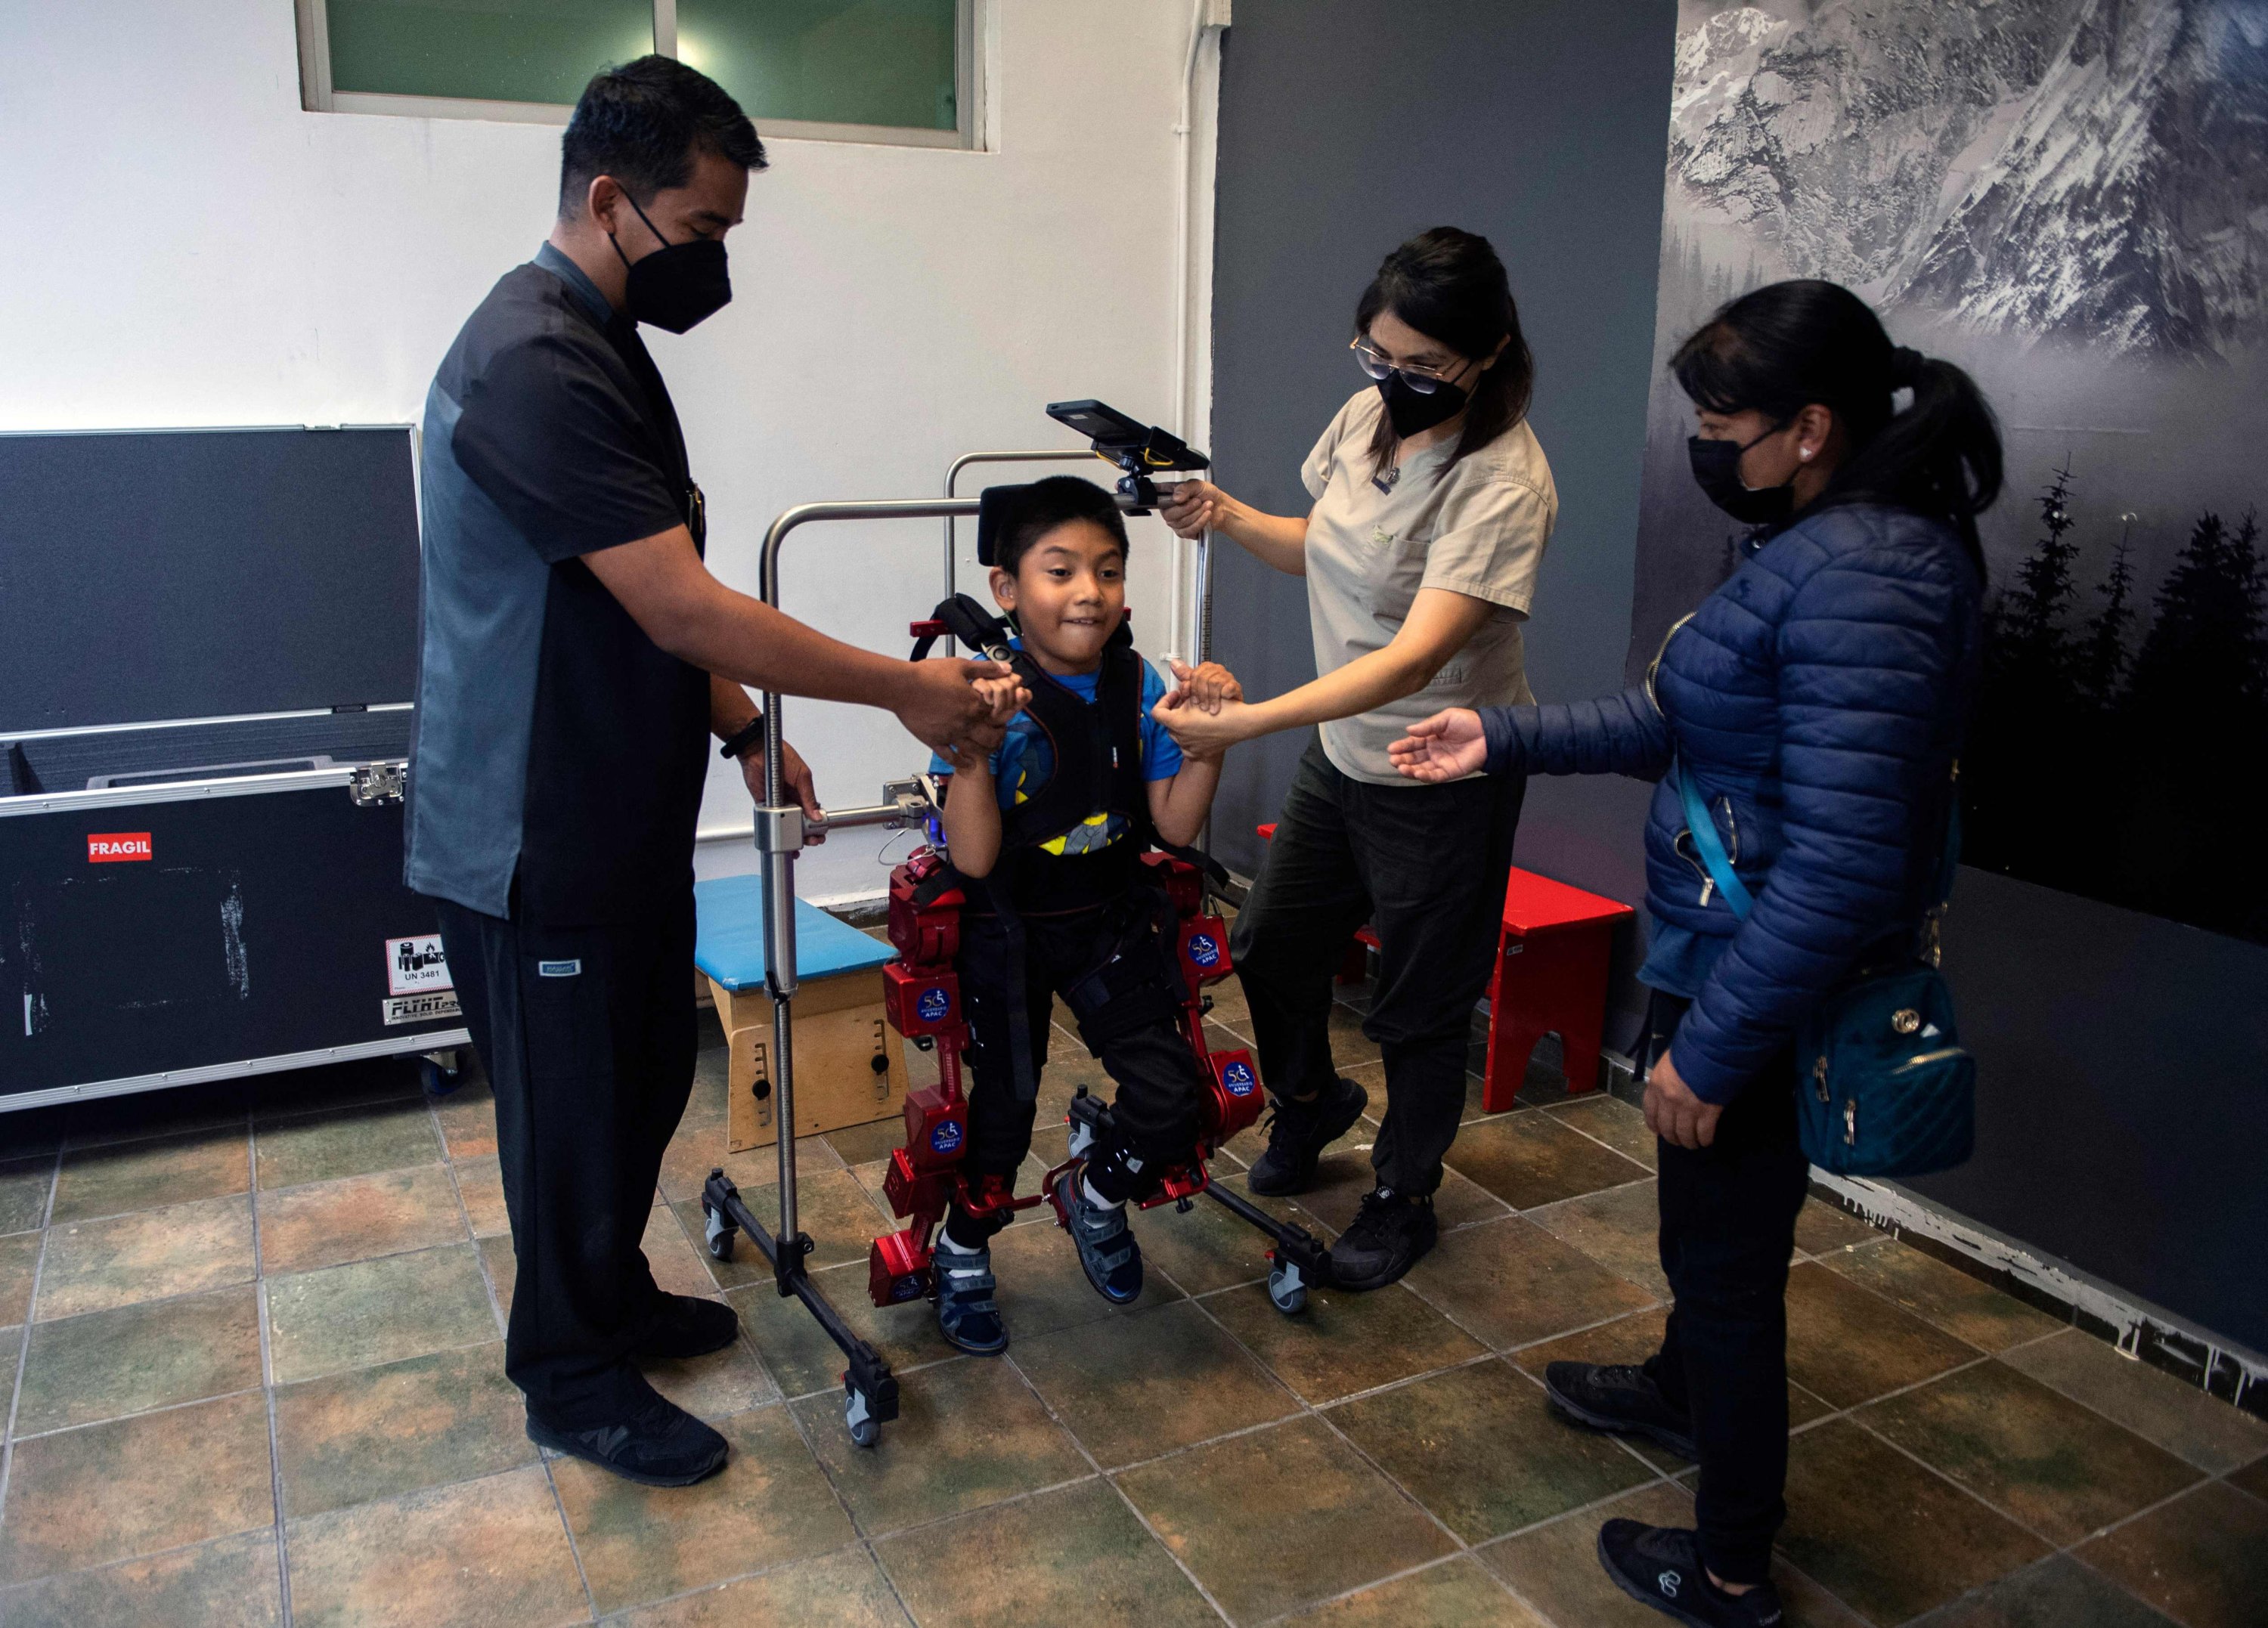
<point x="374" y="783"/>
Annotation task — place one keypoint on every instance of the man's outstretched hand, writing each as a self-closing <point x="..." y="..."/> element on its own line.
<point x="1448" y="745"/>
<point x="956" y="707"/>
<point x="800" y="786"/>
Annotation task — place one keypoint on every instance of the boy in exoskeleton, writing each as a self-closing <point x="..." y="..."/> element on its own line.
<point x="1048" y="836"/>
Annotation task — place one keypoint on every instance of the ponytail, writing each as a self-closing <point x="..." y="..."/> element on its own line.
<point x="1781" y="347"/>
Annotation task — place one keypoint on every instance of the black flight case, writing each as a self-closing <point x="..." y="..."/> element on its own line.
<point x="208" y="657"/>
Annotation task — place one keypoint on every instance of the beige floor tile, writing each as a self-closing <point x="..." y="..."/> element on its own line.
<point x="373" y="1311"/>
<point x="843" y="1590"/>
<point x="353" y="1141"/>
<point x="477" y="1555"/>
<point x="2202" y="1559"/>
<point x="357" y="1217"/>
<point x="119" y="1177"/>
<point x="1619" y="1228"/>
<point x="1963" y="1306"/>
<point x="93" y="1266"/>
<point x="1224" y="1509"/>
<point x="1343" y="1343"/>
<point x="768" y="1506"/>
<point x="2181" y="1418"/>
<point x="1512" y="1283"/>
<point x="1457" y="1593"/>
<point x="376" y="1433"/>
<point x="130" y="1358"/>
<point x="235" y="1580"/>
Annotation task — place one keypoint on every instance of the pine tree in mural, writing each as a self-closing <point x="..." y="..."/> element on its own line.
<point x="2026" y="724"/>
<point x="2103" y="661"/>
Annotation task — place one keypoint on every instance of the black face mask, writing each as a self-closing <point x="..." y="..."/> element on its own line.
<point x="1412" y="414"/>
<point x="678" y="284"/>
<point x="1717" y="470"/>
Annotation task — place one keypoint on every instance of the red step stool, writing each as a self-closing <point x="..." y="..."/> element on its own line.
<point x="1550" y="978"/>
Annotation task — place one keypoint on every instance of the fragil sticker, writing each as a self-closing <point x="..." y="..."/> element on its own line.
<point x="414" y="965"/>
<point x="1205" y="949"/>
<point x="109" y="847"/>
<point x="421" y="1008"/>
<point x="1238" y="1078"/>
<point x="932" y="1004"/>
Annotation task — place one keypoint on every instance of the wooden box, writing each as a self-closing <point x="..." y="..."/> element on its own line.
<point x="850" y="1066"/>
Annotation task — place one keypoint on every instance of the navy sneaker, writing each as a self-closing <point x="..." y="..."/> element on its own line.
<point x="1660" y="1566"/>
<point x="967" y="1314"/>
<point x="688" y="1325"/>
<point x="1388" y="1237"/>
<point x="1108" y="1253"/>
<point x="1620" y="1399"/>
<point x="1298" y="1131"/>
<point x="651" y="1441"/>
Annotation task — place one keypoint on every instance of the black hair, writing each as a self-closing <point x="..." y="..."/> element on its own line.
<point x="1042" y="506"/>
<point x="1779" y="348"/>
<point x="1450" y="286"/>
<point x="642" y="123"/>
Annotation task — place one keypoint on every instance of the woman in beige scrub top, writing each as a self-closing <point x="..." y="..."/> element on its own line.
<point x="1432" y="505"/>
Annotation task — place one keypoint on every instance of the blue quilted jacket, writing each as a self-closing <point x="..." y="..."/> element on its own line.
<point x="1817" y="699"/>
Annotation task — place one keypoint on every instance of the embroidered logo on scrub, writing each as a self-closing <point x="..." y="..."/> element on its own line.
<point x="558" y="968"/>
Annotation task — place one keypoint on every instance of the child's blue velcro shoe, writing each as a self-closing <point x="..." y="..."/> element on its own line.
<point x="966" y="1314"/>
<point x="1108" y="1253"/>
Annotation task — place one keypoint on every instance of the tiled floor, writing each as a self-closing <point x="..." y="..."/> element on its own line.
<point x="251" y="1339"/>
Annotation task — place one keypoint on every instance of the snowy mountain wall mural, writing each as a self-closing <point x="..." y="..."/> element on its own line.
<point x="2070" y="199"/>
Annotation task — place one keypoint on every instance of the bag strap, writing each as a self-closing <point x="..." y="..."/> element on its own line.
<point x="1710" y="846"/>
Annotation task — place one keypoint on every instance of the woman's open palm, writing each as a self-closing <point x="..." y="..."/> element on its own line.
<point x="1448" y="745"/>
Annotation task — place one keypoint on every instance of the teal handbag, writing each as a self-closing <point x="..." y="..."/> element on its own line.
<point x="1883" y="1087"/>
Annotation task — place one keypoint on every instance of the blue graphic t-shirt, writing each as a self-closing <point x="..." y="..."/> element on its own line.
<point x="1025" y="760"/>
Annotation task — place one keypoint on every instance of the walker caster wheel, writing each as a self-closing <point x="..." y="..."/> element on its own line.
<point x="720" y="1233"/>
<point x="1287" y="1288"/>
<point x="439" y="1079"/>
<point x="865" y="1428"/>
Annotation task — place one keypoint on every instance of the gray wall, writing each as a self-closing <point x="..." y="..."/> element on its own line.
<point x="2125" y="1102"/>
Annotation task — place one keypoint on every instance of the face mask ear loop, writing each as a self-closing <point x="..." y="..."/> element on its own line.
<point x="650" y="226"/>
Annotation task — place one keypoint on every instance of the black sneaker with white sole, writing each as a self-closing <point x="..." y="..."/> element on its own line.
<point x="651" y="1441"/>
<point x="1660" y="1566"/>
<point x="1298" y="1131"/>
<point x="1620" y="1399"/>
<point x="1388" y="1237"/>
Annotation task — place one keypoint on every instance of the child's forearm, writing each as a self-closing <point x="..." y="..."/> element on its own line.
<point x="1180" y="817"/>
<point x="971" y="819"/>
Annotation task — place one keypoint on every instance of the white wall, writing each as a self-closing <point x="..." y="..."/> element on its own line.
<point x="194" y="249"/>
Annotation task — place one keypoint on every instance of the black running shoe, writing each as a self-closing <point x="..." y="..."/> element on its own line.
<point x="1620" y="1399"/>
<point x="1298" y="1132"/>
<point x="1389" y="1236"/>
<point x="1660" y="1566"/>
<point x="688" y="1326"/>
<point x="654" y="1442"/>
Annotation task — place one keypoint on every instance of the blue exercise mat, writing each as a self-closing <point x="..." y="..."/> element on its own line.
<point x="729" y="944"/>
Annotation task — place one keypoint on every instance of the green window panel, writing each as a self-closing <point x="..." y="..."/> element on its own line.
<point x="485" y="50"/>
<point x="829" y="61"/>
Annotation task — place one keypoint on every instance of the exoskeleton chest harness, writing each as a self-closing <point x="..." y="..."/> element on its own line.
<point x="1093" y="791"/>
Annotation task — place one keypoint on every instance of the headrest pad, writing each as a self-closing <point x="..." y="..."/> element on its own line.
<point x="994" y="505"/>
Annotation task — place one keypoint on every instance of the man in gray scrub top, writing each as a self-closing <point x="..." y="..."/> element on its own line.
<point x="1433" y="506"/>
<point x="577" y="656"/>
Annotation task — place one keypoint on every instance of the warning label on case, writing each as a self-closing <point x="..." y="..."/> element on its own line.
<point x="422" y="1008"/>
<point x="416" y="965"/>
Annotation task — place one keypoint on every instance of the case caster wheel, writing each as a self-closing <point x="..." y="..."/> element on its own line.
<point x="720" y="1233"/>
<point x="1287" y="1288"/>
<point x="439" y="1079"/>
<point x="865" y="1428"/>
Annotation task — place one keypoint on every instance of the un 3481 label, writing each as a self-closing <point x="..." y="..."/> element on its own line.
<point x="423" y="1008"/>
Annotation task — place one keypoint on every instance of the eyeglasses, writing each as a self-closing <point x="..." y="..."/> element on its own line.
<point x="1424" y="380"/>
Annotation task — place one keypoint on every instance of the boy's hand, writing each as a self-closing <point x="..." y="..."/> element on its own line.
<point x="1205" y="736"/>
<point x="1004" y="698"/>
<point x="942" y="708"/>
<point x="1205" y="687"/>
<point x="1448" y="745"/>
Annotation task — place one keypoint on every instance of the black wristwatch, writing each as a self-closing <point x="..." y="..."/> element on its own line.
<point x="749" y="734"/>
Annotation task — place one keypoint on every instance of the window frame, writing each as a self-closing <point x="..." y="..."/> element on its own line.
<point x="316" y="94"/>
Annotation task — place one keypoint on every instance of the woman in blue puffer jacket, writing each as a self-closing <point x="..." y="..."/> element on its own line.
<point x="1816" y="701"/>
